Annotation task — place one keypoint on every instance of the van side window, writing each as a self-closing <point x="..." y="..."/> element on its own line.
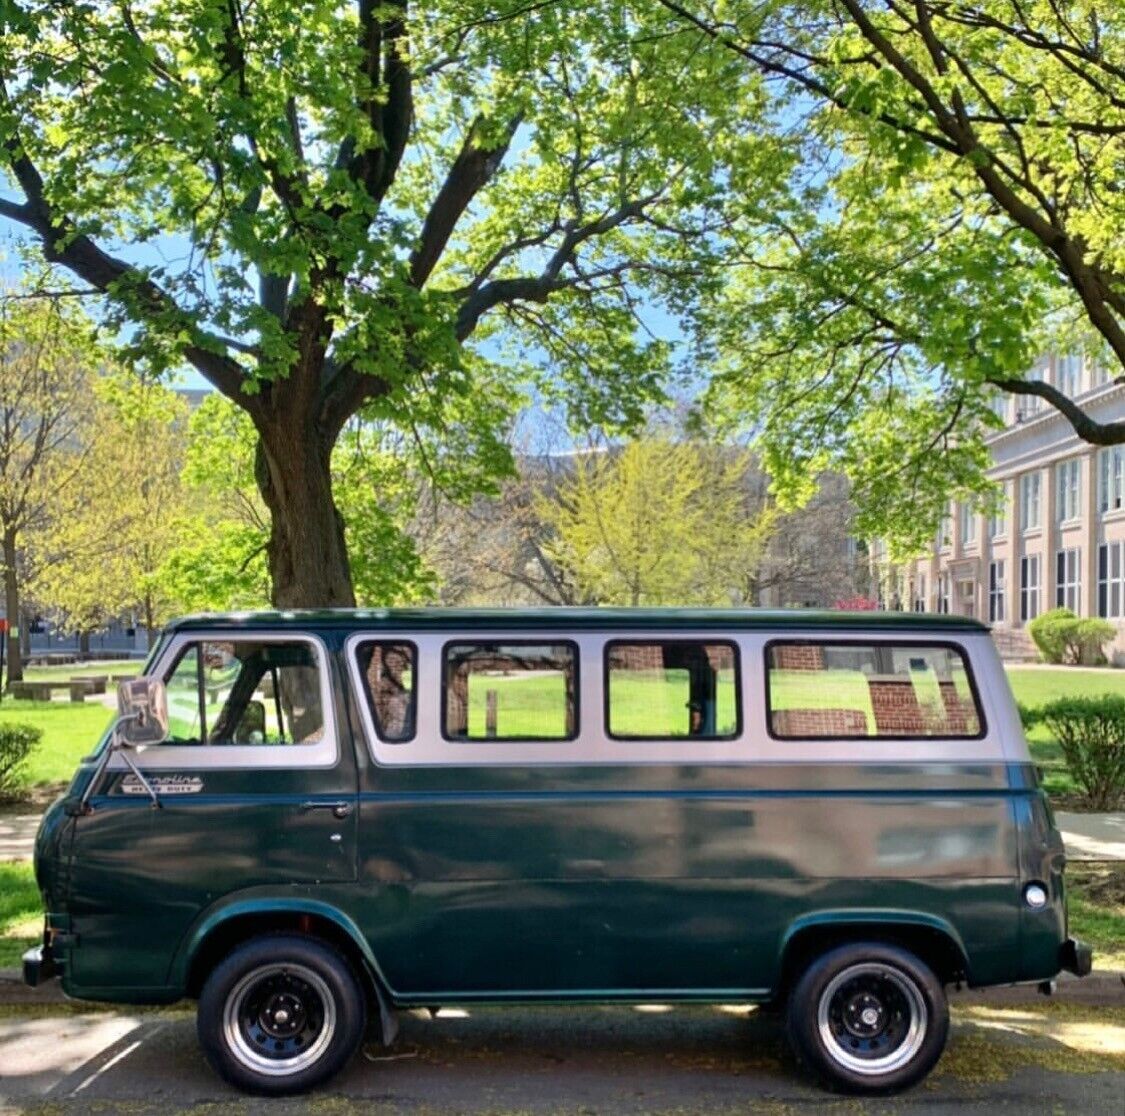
<point x="510" y="691"/>
<point x="671" y="689"/>
<point x="892" y="690"/>
<point x="391" y="687"/>
<point x="245" y="692"/>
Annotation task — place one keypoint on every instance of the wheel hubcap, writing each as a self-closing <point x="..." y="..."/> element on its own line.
<point x="872" y="1019"/>
<point x="279" y="1019"/>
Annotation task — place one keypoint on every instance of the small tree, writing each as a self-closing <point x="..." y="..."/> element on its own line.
<point x="110" y="531"/>
<point x="46" y="409"/>
<point x="657" y="522"/>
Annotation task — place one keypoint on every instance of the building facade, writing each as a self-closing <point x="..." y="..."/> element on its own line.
<point x="1060" y="537"/>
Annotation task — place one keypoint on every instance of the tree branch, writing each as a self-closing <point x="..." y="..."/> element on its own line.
<point x="471" y="171"/>
<point x="1087" y="428"/>
<point x="538" y="288"/>
<point x="63" y="244"/>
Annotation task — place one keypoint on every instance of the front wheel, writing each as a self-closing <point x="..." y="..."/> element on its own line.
<point x="280" y="1014"/>
<point x="868" y="1018"/>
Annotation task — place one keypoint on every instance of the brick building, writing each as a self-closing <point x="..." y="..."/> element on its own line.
<point x="1060" y="539"/>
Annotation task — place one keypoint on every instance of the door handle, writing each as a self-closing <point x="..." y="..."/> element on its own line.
<point x="339" y="809"/>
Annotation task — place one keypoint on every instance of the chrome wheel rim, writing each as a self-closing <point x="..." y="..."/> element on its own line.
<point x="872" y="1019"/>
<point x="279" y="1019"/>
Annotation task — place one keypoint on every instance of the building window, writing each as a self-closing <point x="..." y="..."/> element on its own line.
<point x="1068" y="578"/>
<point x="1029" y="501"/>
<point x="1029" y="587"/>
<point x="996" y="591"/>
<point x="511" y="691"/>
<point x="671" y="690"/>
<point x="1111" y="478"/>
<point x="998" y="521"/>
<point x="920" y="593"/>
<point x="390" y="687"/>
<point x="968" y="525"/>
<point x="822" y="691"/>
<point x="1111" y="580"/>
<point x="1029" y="405"/>
<point x="1068" y="374"/>
<point x="943" y="593"/>
<point x="1068" y="489"/>
<point x="1001" y="405"/>
<point x="945" y="528"/>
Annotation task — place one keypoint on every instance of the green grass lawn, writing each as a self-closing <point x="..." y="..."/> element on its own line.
<point x="21" y="917"/>
<point x="1035" y="687"/>
<point x="62" y="673"/>
<point x="70" y="731"/>
<point x="1096" y="903"/>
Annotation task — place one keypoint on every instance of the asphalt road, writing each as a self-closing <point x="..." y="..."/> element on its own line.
<point x="581" y="1060"/>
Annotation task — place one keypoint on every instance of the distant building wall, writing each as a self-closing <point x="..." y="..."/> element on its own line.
<point x="1061" y="537"/>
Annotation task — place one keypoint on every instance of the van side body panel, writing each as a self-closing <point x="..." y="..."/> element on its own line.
<point x="555" y="881"/>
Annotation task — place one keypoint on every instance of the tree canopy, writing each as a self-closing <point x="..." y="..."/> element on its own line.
<point x="954" y="214"/>
<point x="405" y="209"/>
<point x="866" y="216"/>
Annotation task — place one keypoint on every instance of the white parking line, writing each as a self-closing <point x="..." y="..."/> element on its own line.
<point x="121" y="1056"/>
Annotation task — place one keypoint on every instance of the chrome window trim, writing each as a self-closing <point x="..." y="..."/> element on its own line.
<point x="198" y="757"/>
<point x="1002" y="742"/>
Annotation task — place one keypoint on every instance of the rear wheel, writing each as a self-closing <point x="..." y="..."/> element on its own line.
<point x="868" y="1018"/>
<point x="280" y="1014"/>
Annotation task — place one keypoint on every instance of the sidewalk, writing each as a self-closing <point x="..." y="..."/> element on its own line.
<point x="1093" y="836"/>
<point x="17" y="836"/>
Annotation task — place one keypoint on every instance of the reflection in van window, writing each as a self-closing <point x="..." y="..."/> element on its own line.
<point x="869" y="690"/>
<point x="661" y="690"/>
<point x="245" y="692"/>
<point x="510" y="691"/>
<point x="391" y="686"/>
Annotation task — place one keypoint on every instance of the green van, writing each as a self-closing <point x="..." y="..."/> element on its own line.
<point x="306" y="821"/>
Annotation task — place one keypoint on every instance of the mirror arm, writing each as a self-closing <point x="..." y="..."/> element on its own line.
<point x="156" y="805"/>
<point x="116" y="745"/>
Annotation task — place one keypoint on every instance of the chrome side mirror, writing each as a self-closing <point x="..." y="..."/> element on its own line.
<point x="142" y="707"/>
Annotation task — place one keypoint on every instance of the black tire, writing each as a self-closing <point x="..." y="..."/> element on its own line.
<point x="281" y="1014"/>
<point x="868" y="1018"/>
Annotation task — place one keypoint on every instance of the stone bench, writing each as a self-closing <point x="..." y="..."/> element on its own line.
<point x="32" y="691"/>
<point x="98" y="682"/>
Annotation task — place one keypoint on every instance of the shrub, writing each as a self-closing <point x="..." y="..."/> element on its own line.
<point x="1063" y="637"/>
<point x="1090" y="636"/>
<point x="1091" y="733"/>
<point x="1048" y="632"/>
<point x="16" y="743"/>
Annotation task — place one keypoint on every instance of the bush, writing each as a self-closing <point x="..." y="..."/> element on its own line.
<point x="1063" y="637"/>
<point x="1091" y="734"/>
<point x="16" y="743"/>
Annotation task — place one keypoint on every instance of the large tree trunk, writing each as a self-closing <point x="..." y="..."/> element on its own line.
<point x="308" y="558"/>
<point x="12" y="607"/>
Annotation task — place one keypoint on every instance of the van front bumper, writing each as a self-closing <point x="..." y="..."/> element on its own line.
<point x="39" y="966"/>
<point x="1076" y="957"/>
